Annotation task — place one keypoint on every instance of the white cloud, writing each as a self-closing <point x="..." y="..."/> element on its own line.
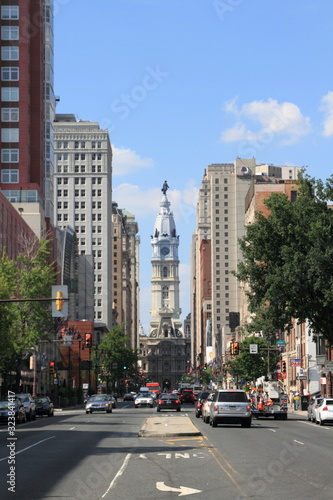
<point x="327" y="108"/>
<point x="127" y="161"/>
<point x="283" y="120"/>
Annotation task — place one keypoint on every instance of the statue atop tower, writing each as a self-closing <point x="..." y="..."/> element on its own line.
<point x="165" y="187"/>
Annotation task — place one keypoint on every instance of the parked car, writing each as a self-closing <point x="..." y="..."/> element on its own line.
<point x="205" y="409"/>
<point x="187" y="396"/>
<point x="324" y="412"/>
<point x="168" y="401"/>
<point x="312" y="407"/>
<point x="202" y="396"/>
<point x="144" y="399"/>
<point x="128" y="397"/>
<point x="29" y="405"/>
<point x="231" y="407"/>
<point x="99" y="402"/>
<point x="6" y="407"/>
<point x="44" y="406"/>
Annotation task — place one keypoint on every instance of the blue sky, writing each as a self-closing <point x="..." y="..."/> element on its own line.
<point x="181" y="84"/>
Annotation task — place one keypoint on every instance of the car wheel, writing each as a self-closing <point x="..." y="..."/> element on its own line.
<point x="151" y="406"/>
<point x="29" y="416"/>
<point x="321" y="422"/>
<point x="197" y="415"/>
<point x="214" y="423"/>
<point x="158" y="409"/>
<point x="207" y="419"/>
<point x="33" y="416"/>
<point x="178" y="409"/>
<point x="246" y="423"/>
<point x="87" y="411"/>
<point x="317" y="421"/>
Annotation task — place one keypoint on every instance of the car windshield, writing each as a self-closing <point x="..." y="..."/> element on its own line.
<point x="22" y="397"/>
<point x="232" y="397"/>
<point x="98" y="398"/>
<point x="41" y="400"/>
<point x="168" y="396"/>
<point x="3" y="404"/>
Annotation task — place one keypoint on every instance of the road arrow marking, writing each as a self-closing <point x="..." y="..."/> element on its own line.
<point x="182" y="489"/>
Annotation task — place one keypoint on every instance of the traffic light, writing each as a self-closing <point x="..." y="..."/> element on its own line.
<point x="205" y="367"/>
<point x="124" y="367"/>
<point x="88" y="340"/>
<point x="51" y="365"/>
<point x="59" y="301"/>
<point x="99" y="377"/>
<point x="234" y="348"/>
<point x="283" y="367"/>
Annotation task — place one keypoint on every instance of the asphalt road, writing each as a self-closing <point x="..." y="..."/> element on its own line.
<point x="100" y="456"/>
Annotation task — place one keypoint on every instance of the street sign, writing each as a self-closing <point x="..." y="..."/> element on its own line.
<point x="301" y="377"/>
<point x="280" y="342"/>
<point x="253" y="348"/>
<point x="67" y="340"/>
<point x="85" y="386"/>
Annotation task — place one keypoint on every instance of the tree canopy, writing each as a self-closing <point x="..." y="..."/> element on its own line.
<point x="116" y="355"/>
<point x="22" y="324"/>
<point x="249" y="366"/>
<point x="288" y="261"/>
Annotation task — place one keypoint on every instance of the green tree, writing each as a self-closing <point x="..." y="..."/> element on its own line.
<point x="22" y="324"/>
<point x="114" y="351"/>
<point x="249" y="366"/>
<point x="288" y="261"/>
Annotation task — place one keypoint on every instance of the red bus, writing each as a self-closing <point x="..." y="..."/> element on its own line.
<point x="154" y="387"/>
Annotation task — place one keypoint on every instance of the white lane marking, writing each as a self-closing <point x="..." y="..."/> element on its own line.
<point x="272" y="430"/>
<point x="21" y="451"/>
<point x="119" y="473"/>
<point x="71" y="428"/>
<point x="316" y="426"/>
<point x="299" y="442"/>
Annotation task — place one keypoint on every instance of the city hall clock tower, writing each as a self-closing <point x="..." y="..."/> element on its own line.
<point x="165" y="310"/>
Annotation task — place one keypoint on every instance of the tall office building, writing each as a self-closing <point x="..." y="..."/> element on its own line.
<point x="218" y="301"/>
<point x="215" y="253"/>
<point x="125" y="276"/>
<point x="83" y="200"/>
<point x="27" y="110"/>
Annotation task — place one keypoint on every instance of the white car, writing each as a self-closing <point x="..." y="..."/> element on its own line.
<point x="324" y="412"/>
<point x="29" y="405"/>
<point x="144" y="399"/>
<point x="205" y="409"/>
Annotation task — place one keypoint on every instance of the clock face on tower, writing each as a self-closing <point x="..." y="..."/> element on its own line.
<point x="165" y="250"/>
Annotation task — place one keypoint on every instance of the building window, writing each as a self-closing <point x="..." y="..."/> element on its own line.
<point x="9" y="94"/>
<point x="10" y="135"/>
<point x="10" y="114"/>
<point x="9" y="155"/>
<point x="165" y="272"/>
<point x="10" y="73"/>
<point x="9" y="176"/>
<point x="10" y="12"/>
<point x="10" y="53"/>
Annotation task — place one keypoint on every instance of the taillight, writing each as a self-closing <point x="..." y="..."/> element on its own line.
<point x="248" y="408"/>
<point x="160" y="401"/>
<point x="325" y="408"/>
<point x="177" y="401"/>
<point x="216" y="407"/>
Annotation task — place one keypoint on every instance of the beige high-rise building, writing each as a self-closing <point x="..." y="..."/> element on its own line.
<point x="215" y="253"/>
<point x="83" y="200"/>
